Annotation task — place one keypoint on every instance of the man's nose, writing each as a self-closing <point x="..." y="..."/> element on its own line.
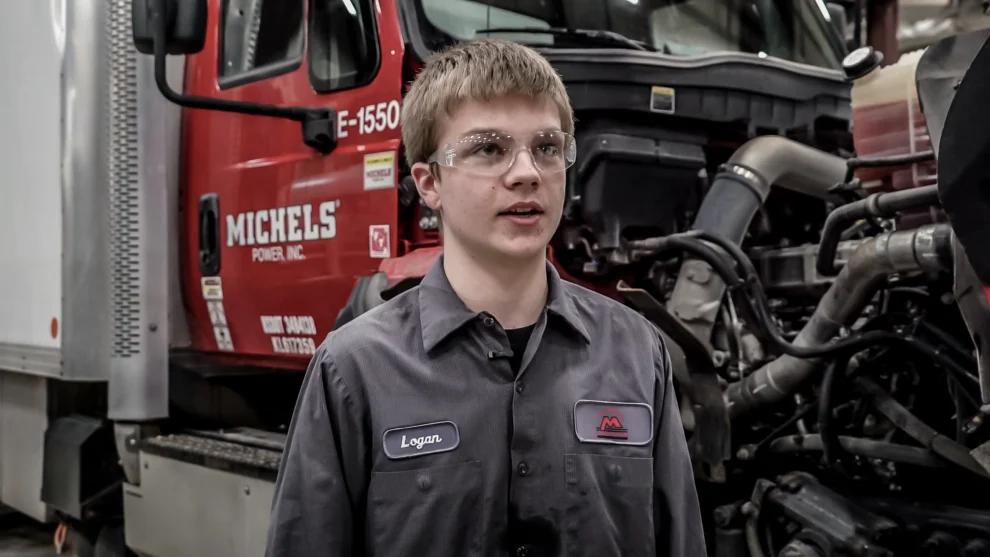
<point x="523" y="170"/>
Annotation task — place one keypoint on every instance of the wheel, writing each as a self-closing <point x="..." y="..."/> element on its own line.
<point x="110" y="543"/>
<point x="366" y="295"/>
<point x="76" y="544"/>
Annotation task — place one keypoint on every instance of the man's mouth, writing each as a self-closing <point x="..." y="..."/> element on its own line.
<point x="521" y="212"/>
<point x="528" y="209"/>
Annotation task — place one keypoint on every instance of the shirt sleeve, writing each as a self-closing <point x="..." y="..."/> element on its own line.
<point x="321" y="475"/>
<point x="677" y="519"/>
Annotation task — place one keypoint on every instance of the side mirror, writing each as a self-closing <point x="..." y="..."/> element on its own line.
<point x="185" y="25"/>
<point x="163" y="27"/>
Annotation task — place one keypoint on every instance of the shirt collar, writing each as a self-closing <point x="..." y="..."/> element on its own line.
<point x="442" y="312"/>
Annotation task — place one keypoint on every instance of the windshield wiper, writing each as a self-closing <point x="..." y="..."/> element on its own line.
<point x="600" y="35"/>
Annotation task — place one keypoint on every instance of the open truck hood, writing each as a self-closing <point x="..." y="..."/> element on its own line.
<point x="719" y="86"/>
<point x="651" y="128"/>
<point x="953" y="77"/>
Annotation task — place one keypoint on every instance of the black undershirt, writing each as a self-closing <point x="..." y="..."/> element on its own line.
<point x="518" y="338"/>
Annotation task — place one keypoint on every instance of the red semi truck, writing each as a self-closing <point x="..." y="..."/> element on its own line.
<point x="199" y="191"/>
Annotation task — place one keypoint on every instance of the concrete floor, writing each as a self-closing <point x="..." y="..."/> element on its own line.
<point x="22" y="537"/>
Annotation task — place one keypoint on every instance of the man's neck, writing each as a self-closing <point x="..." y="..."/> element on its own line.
<point x="514" y="294"/>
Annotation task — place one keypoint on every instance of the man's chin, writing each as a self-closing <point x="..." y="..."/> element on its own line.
<point x="521" y="250"/>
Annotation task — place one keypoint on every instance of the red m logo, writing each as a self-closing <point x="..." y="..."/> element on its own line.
<point x="610" y="422"/>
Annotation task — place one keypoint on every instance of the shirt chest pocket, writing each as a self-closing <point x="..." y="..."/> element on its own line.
<point x="608" y="506"/>
<point x="428" y="511"/>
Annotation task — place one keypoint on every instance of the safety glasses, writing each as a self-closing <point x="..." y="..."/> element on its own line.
<point x="493" y="152"/>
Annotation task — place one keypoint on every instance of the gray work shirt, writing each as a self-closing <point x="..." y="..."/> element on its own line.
<point x="413" y="437"/>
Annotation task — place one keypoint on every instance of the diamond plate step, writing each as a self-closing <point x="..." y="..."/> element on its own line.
<point x="221" y="454"/>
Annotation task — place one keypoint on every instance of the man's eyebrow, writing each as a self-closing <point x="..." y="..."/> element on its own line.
<point x="479" y="131"/>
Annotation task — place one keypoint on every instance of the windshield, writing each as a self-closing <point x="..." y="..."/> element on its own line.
<point x="795" y="30"/>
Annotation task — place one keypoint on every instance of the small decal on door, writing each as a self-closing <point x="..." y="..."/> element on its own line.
<point x="379" y="170"/>
<point x="379" y="240"/>
<point x="213" y="294"/>
<point x="212" y="288"/>
<point x="224" y="342"/>
<point x="218" y="317"/>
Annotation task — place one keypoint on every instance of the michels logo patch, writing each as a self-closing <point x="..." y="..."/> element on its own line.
<point x="416" y="440"/>
<point x="618" y="423"/>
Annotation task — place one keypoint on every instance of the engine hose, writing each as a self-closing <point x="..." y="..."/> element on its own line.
<point x="887" y="160"/>
<point x="719" y="264"/>
<point x="752" y="531"/>
<point x="753" y="537"/>
<point x="860" y="341"/>
<point x="923" y="248"/>
<point x="869" y="448"/>
<point x="917" y="429"/>
<point x="836" y="374"/>
<point x="876" y="205"/>
<point x="829" y="438"/>
<point x="949" y="341"/>
<point x="736" y="195"/>
<point x="758" y="304"/>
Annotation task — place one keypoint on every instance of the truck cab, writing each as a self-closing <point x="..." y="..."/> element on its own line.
<point x="283" y="231"/>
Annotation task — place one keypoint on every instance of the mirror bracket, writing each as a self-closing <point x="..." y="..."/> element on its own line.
<point x="318" y="130"/>
<point x="316" y="122"/>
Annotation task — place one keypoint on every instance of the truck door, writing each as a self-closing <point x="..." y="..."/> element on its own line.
<point x="277" y="233"/>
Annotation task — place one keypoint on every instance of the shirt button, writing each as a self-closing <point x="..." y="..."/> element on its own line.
<point x="519" y="387"/>
<point x="489" y="321"/>
<point x="521" y="551"/>
<point x="523" y="469"/>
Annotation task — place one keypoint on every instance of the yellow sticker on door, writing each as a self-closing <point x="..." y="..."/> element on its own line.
<point x="379" y="170"/>
<point x="212" y="288"/>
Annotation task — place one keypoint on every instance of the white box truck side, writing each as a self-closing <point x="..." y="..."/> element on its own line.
<point x="31" y="210"/>
<point x="88" y="248"/>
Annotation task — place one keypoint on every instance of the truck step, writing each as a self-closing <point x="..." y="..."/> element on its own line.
<point x="236" y="452"/>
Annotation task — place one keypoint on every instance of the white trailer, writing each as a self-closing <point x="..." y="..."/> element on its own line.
<point x="88" y="266"/>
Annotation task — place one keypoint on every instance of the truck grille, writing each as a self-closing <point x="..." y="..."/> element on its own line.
<point x="123" y="167"/>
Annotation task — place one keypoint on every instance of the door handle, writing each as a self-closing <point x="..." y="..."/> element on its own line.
<point x="209" y="235"/>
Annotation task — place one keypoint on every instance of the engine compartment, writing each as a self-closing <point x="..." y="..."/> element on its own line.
<point x="821" y="327"/>
<point x="654" y="132"/>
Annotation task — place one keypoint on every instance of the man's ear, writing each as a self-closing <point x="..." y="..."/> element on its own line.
<point x="426" y="185"/>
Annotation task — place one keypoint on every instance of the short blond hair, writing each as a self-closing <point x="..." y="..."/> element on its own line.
<point x="478" y="70"/>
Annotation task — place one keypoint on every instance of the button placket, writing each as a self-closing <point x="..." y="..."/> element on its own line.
<point x="497" y="351"/>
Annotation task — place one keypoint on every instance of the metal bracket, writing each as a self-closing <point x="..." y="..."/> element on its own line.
<point x="709" y="445"/>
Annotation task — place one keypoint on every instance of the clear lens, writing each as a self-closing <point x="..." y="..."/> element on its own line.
<point x="493" y="153"/>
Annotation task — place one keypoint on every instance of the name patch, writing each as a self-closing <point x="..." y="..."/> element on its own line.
<point x="416" y="440"/>
<point x="618" y="423"/>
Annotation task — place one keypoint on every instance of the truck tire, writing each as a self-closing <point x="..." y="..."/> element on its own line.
<point x="111" y="543"/>
<point x="367" y="294"/>
<point x="77" y="544"/>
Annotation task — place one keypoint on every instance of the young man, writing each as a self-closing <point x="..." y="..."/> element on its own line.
<point x="495" y="409"/>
